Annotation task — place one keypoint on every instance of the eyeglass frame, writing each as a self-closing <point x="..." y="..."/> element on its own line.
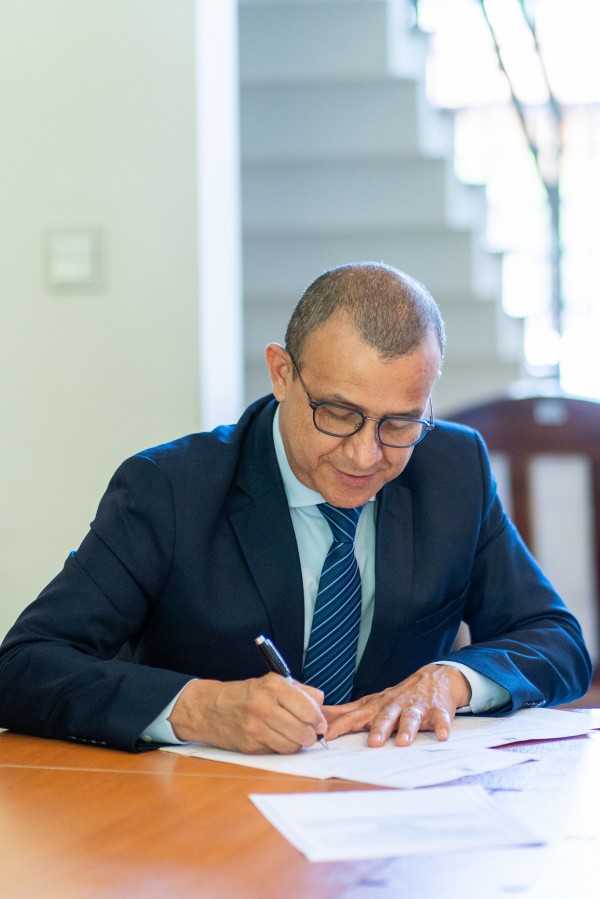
<point x="428" y="425"/>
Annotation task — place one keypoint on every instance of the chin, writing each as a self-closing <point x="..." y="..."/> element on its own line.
<point x="349" y="499"/>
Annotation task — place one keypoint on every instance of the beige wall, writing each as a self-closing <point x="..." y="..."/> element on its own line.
<point x="96" y="131"/>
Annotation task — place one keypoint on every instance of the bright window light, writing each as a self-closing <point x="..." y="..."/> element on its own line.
<point x="491" y="148"/>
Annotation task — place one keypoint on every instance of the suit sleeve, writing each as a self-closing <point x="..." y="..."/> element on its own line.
<point x="60" y="672"/>
<point x="523" y="636"/>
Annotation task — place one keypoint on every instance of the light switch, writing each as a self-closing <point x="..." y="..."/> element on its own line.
<point x="73" y="259"/>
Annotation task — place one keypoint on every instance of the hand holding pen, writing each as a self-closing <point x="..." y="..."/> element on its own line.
<point x="275" y="662"/>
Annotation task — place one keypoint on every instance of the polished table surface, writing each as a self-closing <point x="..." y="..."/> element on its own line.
<point x="81" y="821"/>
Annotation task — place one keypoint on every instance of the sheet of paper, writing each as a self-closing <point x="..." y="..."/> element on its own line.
<point x="350" y="758"/>
<point x="467" y="752"/>
<point x="381" y="824"/>
<point x="394" y="766"/>
<point x="496" y="873"/>
<point x="526" y="724"/>
<point x="564" y="866"/>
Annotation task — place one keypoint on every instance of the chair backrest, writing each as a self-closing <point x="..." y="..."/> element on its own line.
<point x="545" y="453"/>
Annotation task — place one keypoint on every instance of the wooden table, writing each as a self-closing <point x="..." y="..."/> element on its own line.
<point x="80" y="821"/>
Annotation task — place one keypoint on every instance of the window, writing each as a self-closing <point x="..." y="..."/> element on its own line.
<point x="534" y="146"/>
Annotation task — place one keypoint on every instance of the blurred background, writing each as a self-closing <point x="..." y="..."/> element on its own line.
<point x="175" y="172"/>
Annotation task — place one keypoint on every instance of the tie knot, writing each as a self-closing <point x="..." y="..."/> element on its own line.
<point x="341" y="521"/>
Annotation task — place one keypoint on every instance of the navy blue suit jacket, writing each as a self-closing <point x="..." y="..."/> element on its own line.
<point x="192" y="554"/>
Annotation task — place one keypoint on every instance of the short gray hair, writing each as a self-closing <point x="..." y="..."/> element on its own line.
<point x="391" y="311"/>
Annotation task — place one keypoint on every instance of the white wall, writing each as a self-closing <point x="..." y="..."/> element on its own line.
<point x="219" y="212"/>
<point x="96" y="131"/>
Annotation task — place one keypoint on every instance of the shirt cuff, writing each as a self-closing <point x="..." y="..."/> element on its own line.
<point x="486" y="694"/>
<point x="160" y="730"/>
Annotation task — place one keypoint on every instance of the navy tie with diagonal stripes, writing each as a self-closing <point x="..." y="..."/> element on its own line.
<point x="331" y="654"/>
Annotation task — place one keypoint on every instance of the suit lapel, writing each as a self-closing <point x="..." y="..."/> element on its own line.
<point x="263" y="526"/>
<point x="394" y="564"/>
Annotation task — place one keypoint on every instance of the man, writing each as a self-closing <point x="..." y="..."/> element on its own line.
<point x="201" y="545"/>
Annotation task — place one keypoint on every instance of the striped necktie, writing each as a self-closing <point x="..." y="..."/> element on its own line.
<point x="331" y="654"/>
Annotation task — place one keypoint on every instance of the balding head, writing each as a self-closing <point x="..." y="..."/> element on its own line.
<point x="391" y="312"/>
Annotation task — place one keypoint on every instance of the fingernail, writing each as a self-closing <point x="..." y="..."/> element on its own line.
<point x="404" y="738"/>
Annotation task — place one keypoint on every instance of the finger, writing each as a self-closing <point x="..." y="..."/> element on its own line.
<point x="439" y="722"/>
<point x="409" y="724"/>
<point x="345" y="710"/>
<point x="272" y="741"/>
<point x="281" y="731"/>
<point x="304" y="705"/>
<point x="315" y="693"/>
<point x="276" y="716"/>
<point x="383" y="724"/>
<point x="348" y="719"/>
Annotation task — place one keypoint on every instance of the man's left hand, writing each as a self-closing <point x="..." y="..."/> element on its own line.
<point x="427" y="700"/>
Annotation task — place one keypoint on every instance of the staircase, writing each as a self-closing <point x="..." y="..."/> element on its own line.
<point x="344" y="160"/>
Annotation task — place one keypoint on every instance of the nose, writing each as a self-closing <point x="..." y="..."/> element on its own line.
<point x="363" y="448"/>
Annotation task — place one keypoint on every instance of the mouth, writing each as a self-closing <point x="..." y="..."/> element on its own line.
<point x="355" y="480"/>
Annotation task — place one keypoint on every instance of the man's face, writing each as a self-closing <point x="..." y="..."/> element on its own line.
<point x="338" y="367"/>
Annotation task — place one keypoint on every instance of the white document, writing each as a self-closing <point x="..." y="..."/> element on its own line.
<point x="466" y="752"/>
<point x="349" y="758"/>
<point x="564" y="867"/>
<point x="386" y="823"/>
<point x="526" y="724"/>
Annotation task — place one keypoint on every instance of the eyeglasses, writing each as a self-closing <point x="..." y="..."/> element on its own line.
<point x="341" y="421"/>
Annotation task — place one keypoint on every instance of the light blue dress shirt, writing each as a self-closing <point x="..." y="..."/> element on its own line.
<point x="313" y="536"/>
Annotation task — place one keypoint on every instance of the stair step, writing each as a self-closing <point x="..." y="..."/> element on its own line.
<point x="334" y="38"/>
<point x="451" y="264"/>
<point x="464" y="383"/>
<point x="378" y="118"/>
<point x="285" y="40"/>
<point x="328" y="194"/>
<point x="480" y="331"/>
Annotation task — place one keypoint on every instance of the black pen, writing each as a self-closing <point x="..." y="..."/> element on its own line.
<point x="276" y="662"/>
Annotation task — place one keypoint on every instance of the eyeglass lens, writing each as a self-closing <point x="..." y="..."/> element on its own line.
<point x="340" y="422"/>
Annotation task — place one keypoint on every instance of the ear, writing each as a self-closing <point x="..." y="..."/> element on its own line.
<point x="280" y="370"/>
